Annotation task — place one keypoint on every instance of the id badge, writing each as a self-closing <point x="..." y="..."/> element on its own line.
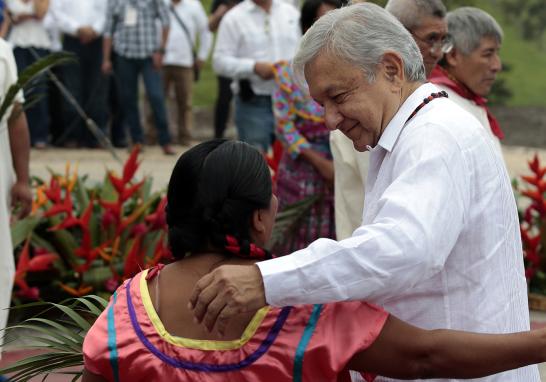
<point x="131" y="16"/>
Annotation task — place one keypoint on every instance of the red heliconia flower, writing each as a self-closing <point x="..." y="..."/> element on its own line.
<point x="22" y="266"/>
<point x="532" y="194"/>
<point x="534" y="165"/>
<point x="68" y="222"/>
<point x="53" y="193"/>
<point x="131" y="166"/>
<point x="133" y="261"/>
<point x="138" y="230"/>
<point x="531" y="256"/>
<point x="113" y="207"/>
<point x="111" y="284"/>
<point x="158" y="219"/>
<point x="108" y="218"/>
<point x="118" y="183"/>
<point x="42" y="262"/>
<point x="66" y="206"/>
<point x="129" y="191"/>
<point x="29" y="293"/>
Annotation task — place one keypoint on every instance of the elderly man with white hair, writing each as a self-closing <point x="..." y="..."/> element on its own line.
<point x="425" y="20"/>
<point x="469" y="70"/>
<point x="439" y="245"/>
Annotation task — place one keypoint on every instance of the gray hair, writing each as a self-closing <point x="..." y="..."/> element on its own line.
<point x="468" y="25"/>
<point x="360" y="35"/>
<point x="411" y="12"/>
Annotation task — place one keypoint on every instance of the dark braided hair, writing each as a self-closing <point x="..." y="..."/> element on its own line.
<point x="213" y="191"/>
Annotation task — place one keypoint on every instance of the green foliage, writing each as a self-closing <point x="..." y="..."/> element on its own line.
<point x="528" y="15"/>
<point x="62" y="337"/>
<point x="27" y="77"/>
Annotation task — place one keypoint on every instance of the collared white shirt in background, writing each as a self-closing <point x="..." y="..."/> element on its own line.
<point x="476" y="110"/>
<point x="29" y="33"/>
<point x="247" y="34"/>
<point x="72" y="15"/>
<point x="440" y="244"/>
<point x="178" y="50"/>
<point x="350" y="169"/>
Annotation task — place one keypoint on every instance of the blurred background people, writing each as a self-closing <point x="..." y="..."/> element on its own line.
<point x="82" y="25"/>
<point x="188" y="24"/>
<point x="30" y="42"/>
<point x="468" y="71"/>
<point x="131" y="31"/>
<point x="306" y="167"/>
<point x="251" y="37"/>
<point x="222" y="105"/>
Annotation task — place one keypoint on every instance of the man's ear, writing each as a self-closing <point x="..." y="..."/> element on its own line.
<point x="452" y="57"/>
<point x="392" y="67"/>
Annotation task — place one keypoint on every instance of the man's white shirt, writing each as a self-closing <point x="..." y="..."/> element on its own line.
<point x="72" y="15"/>
<point x="247" y="34"/>
<point x="439" y="245"/>
<point x="178" y="51"/>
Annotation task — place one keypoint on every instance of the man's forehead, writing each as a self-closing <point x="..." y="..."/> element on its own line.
<point x="326" y="72"/>
<point x="433" y="24"/>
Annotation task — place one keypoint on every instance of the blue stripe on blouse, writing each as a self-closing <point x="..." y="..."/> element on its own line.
<point x="305" y="338"/>
<point x="112" y="342"/>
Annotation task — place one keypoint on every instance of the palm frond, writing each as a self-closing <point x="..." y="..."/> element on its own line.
<point x="62" y="339"/>
<point x="288" y="219"/>
<point x="30" y="73"/>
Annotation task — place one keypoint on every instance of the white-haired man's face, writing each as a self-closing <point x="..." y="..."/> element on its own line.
<point x="360" y="110"/>
<point x="430" y="36"/>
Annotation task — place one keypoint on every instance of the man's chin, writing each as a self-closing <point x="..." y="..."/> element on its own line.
<point x="360" y="147"/>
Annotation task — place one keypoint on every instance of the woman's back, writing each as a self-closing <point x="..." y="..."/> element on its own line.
<point x="130" y="341"/>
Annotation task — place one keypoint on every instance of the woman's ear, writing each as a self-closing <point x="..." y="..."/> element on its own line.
<point x="257" y="221"/>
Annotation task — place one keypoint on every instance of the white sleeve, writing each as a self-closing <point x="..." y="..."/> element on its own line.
<point x="225" y="61"/>
<point x="65" y="23"/>
<point x="100" y="13"/>
<point x="205" y="36"/>
<point x="420" y="216"/>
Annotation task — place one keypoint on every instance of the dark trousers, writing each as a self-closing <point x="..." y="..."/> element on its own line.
<point x="127" y="71"/>
<point x="223" y="103"/>
<point x="89" y="87"/>
<point x="38" y="113"/>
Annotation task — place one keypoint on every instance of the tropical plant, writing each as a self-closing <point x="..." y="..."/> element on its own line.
<point x="59" y="340"/>
<point x="27" y="78"/>
<point x="533" y="226"/>
<point x="81" y="239"/>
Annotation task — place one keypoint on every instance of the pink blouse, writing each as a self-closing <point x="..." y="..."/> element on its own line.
<point x="128" y="342"/>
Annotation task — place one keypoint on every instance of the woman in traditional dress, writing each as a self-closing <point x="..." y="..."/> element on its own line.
<point x="221" y="211"/>
<point x="306" y="168"/>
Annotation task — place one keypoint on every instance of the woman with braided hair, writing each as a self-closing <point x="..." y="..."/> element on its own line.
<point x="221" y="211"/>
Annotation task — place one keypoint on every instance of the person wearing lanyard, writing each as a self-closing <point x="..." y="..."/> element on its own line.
<point x="252" y="36"/>
<point x="439" y="245"/>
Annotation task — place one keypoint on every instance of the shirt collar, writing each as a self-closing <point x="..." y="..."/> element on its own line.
<point x="394" y="128"/>
<point x="255" y="7"/>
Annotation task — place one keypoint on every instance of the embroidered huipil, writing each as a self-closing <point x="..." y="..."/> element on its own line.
<point x="439" y="245"/>
<point x="128" y="342"/>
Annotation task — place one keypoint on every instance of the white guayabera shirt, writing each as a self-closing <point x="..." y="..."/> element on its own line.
<point x="439" y="245"/>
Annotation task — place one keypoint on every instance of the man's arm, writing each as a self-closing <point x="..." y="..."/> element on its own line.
<point x="418" y="221"/>
<point x="19" y="138"/>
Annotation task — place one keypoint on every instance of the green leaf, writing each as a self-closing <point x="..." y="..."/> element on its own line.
<point x="21" y="229"/>
<point x="32" y="72"/>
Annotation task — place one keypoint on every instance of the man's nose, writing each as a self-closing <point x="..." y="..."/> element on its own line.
<point x="496" y="64"/>
<point x="332" y="117"/>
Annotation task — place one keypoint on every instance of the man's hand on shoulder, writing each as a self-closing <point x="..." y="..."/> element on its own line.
<point x="225" y="292"/>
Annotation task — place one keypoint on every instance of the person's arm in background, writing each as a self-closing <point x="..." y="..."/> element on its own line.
<point x="19" y="139"/>
<point x="404" y="351"/>
<point x="6" y="22"/>
<point x="163" y="14"/>
<point x="225" y="61"/>
<point x="40" y="8"/>
<point x="205" y="36"/>
<point x="218" y="10"/>
<point x="109" y="22"/>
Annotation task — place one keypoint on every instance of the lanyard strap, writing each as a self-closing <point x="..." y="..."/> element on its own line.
<point x="431" y="97"/>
